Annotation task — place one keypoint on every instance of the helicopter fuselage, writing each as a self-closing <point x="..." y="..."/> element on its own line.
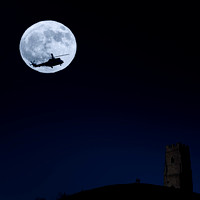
<point x="50" y="63"/>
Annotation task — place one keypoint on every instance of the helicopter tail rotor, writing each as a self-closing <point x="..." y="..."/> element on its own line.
<point x="32" y="62"/>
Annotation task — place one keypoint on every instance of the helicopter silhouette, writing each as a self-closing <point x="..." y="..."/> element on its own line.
<point x="53" y="61"/>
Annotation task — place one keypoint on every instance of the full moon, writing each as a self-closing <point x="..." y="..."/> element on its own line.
<point x="48" y="46"/>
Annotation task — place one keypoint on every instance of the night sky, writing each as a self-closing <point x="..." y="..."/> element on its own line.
<point x="132" y="88"/>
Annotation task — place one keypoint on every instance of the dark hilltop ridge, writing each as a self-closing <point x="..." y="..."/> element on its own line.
<point x="178" y="182"/>
<point x="133" y="191"/>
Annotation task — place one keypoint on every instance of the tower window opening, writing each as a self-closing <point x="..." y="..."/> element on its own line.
<point x="172" y="160"/>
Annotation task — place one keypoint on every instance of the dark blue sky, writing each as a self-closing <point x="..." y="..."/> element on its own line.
<point x="132" y="88"/>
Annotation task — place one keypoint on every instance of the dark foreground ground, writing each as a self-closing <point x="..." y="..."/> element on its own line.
<point x="132" y="191"/>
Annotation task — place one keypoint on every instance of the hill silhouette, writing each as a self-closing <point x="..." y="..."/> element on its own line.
<point x="131" y="192"/>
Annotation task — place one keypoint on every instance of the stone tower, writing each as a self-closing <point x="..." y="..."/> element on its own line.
<point x="178" y="173"/>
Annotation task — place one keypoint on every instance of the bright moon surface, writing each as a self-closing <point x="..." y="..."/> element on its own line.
<point x="44" y="38"/>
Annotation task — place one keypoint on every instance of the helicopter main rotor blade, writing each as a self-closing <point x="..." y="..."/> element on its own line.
<point x="61" y="55"/>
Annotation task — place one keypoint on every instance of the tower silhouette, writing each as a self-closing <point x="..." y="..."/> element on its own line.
<point x="178" y="173"/>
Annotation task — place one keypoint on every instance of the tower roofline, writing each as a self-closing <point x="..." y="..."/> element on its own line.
<point x="176" y="146"/>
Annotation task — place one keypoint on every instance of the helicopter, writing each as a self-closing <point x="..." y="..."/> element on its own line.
<point x="53" y="61"/>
